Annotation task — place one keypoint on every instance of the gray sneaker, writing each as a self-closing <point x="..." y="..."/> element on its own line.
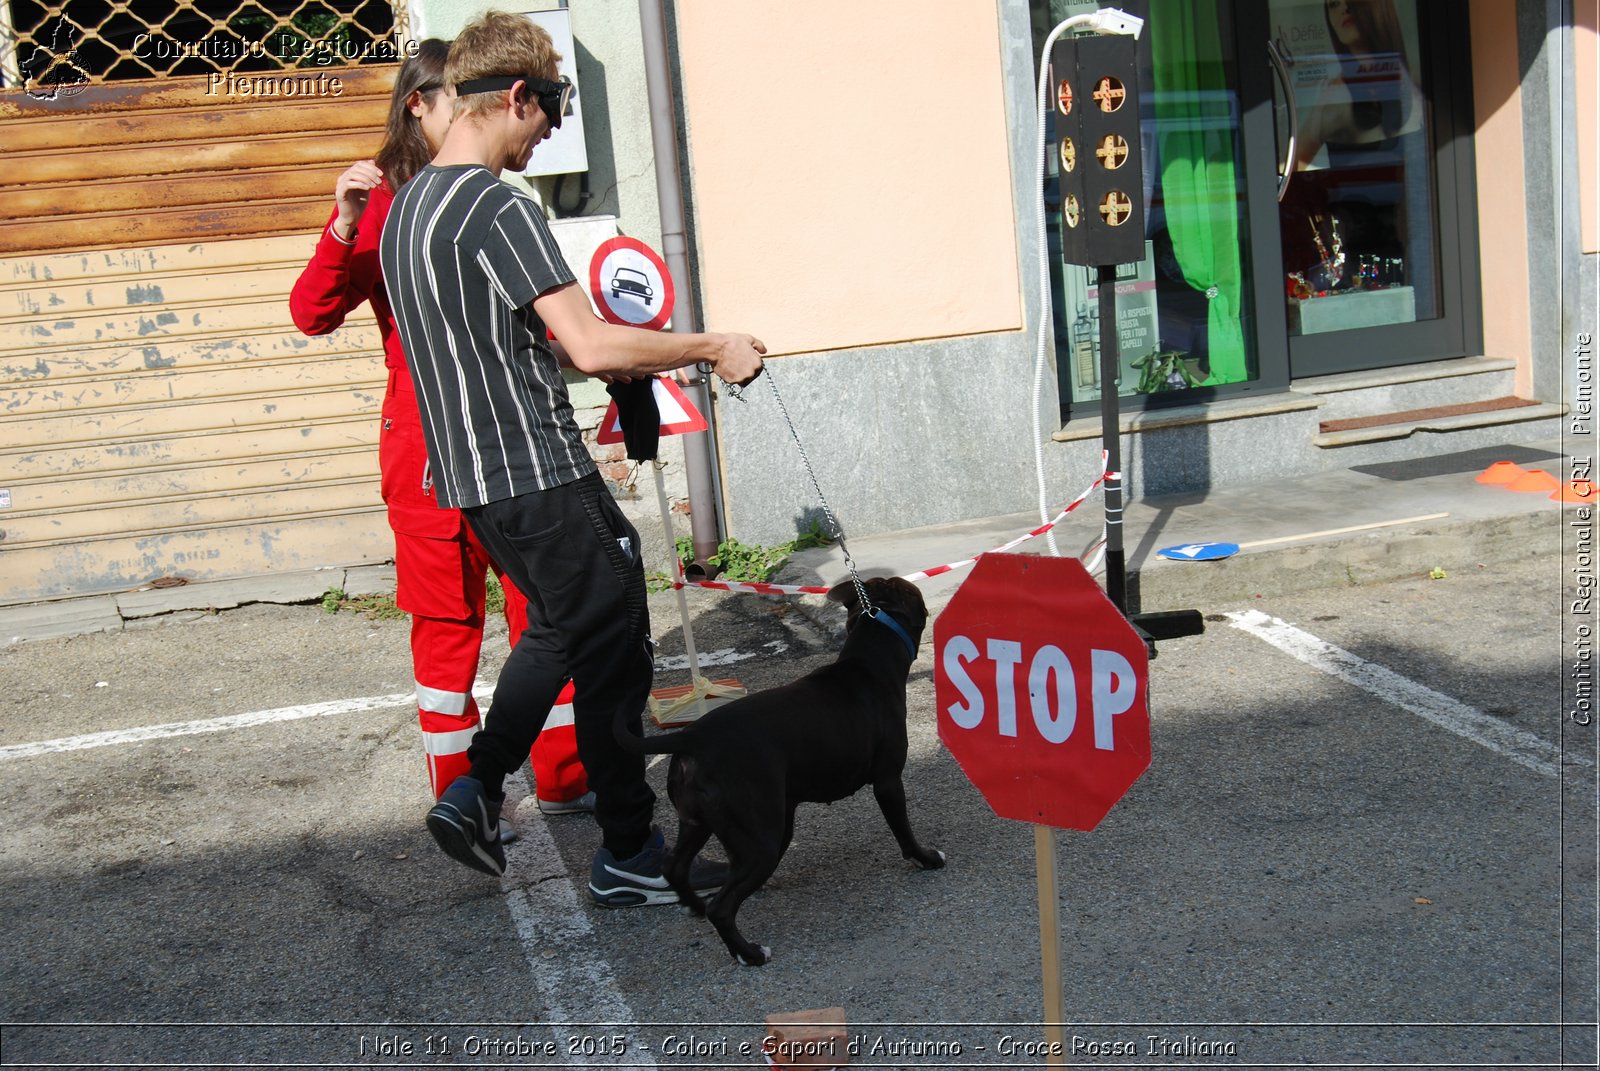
<point x="584" y="804"/>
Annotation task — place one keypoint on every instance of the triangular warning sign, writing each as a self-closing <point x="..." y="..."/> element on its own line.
<point x="678" y="414"/>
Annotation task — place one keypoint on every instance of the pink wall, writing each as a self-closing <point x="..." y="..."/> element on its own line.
<point x="1502" y="235"/>
<point x="850" y="170"/>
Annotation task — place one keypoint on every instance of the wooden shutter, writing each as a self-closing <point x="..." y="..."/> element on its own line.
<point x="160" y="415"/>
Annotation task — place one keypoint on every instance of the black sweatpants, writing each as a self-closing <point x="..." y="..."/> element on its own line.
<point x="576" y="557"/>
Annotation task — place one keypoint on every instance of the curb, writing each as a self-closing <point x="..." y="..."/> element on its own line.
<point x="1455" y="543"/>
<point x="1161" y="584"/>
<point x="146" y="607"/>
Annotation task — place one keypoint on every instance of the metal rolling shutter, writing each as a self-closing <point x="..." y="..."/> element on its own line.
<point x="159" y="413"/>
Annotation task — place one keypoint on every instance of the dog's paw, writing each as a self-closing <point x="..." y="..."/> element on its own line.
<point x="762" y="950"/>
<point x="934" y="859"/>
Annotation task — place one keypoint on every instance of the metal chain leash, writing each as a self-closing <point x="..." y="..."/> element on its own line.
<point x="737" y="393"/>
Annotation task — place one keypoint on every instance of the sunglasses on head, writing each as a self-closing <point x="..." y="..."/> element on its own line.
<point x="554" y="97"/>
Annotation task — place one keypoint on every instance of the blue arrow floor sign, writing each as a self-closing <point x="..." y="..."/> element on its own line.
<point x="1199" y="552"/>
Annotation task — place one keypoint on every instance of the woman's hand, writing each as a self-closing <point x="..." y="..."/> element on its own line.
<point x="350" y="195"/>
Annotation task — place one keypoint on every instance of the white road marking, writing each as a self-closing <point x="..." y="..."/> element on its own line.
<point x="727" y="656"/>
<point x="142" y="733"/>
<point x="547" y="913"/>
<point x="1518" y="745"/>
<point x="1343" y="531"/>
<point x="564" y="956"/>
<point x="139" y="734"/>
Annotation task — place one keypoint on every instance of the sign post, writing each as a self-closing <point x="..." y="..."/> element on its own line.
<point x="1043" y="701"/>
<point x="1055" y="997"/>
<point x="631" y="286"/>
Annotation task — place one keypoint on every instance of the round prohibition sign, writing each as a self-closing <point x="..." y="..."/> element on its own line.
<point x="630" y="284"/>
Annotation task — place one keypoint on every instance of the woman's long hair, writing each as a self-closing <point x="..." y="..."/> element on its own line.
<point x="1375" y="101"/>
<point x="405" y="151"/>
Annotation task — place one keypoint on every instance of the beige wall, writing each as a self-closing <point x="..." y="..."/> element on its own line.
<point x="1586" y="92"/>
<point x="1497" y="96"/>
<point x="850" y="170"/>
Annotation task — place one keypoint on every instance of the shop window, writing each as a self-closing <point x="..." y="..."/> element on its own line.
<point x="1185" y="311"/>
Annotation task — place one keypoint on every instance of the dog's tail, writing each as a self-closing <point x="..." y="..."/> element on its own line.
<point x="668" y="744"/>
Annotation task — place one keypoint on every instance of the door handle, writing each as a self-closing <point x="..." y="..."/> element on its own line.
<point x="1282" y="70"/>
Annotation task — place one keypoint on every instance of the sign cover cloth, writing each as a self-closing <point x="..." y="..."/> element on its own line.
<point x="667" y="405"/>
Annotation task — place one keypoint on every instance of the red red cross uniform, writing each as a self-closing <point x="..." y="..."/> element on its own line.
<point x="441" y="585"/>
<point x="439" y="564"/>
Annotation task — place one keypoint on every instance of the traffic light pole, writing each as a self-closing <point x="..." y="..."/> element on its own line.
<point x="1161" y="625"/>
<point x="1111" y="436"/>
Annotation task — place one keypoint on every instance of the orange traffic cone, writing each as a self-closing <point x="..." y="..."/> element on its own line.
<point x="1501" y="472"/>
<point x="1535" y="481"/>
<point x="1578" y="491"/>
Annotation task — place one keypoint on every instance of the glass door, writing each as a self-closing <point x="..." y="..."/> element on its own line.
<point x="1369" y="182"/>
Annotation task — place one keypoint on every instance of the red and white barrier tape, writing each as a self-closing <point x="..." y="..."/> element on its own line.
<point x="938" y="570"/>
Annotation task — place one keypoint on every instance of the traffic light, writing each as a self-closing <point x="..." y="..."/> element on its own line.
<point x="1095" y="82"/>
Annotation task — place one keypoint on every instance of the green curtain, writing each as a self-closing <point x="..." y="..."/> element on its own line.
<point x="1195" y="133"/>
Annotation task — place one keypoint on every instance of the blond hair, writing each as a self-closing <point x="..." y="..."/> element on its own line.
<point x="497" y="43"/>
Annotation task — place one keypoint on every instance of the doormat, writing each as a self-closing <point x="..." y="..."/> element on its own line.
<point x="1445" y="464"/>
<point x="1417" y="416"/>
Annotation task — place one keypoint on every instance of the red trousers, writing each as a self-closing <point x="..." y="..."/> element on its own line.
<point x="440" y="568"/>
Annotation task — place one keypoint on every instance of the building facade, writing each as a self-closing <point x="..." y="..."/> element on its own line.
<point x="1407" y="275"/>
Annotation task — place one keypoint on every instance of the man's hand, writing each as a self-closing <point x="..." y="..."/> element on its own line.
<point x="350" y="194"/>
<point x="738" y="359"/>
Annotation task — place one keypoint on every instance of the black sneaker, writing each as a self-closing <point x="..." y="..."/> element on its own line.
<point x="639" y="881"/>
<point x="466" y="823"/>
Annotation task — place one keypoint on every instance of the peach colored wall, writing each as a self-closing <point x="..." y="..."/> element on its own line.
<point x="1507" y="323"/>
<point x="1586" y="91"/>
<point x="850" y="170"/>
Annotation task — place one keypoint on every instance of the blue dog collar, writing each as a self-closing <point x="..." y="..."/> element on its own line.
<point x="894" y="626"/>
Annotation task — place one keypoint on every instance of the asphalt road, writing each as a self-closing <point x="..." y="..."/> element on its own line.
<point x="1380" y="857"/>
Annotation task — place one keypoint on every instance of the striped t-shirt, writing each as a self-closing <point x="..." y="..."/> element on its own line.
<point x="463" y="256"/>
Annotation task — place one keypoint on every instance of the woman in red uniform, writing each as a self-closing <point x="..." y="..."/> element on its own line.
<point x="439" y="564"/>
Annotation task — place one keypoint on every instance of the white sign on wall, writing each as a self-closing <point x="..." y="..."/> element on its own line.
<point x="564" y="151"/>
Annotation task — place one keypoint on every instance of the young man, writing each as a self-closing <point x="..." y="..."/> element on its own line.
<point x="474" y="278"/>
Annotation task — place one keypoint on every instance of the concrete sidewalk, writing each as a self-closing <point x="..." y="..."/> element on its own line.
<point x="1348" y="526"/>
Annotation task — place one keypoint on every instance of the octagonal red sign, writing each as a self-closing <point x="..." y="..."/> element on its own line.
<point x="1042" y="689"/>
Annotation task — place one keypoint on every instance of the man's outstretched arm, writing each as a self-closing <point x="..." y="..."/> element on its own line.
<point x="611" y="351"/>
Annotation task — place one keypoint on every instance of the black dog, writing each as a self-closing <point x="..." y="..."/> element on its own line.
<point x="739" y="772"/>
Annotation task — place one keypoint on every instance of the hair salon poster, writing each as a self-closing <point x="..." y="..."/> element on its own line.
<point x="1324" y="43"/>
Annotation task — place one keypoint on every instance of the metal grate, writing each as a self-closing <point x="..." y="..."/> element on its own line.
<point x="57" y="47"/>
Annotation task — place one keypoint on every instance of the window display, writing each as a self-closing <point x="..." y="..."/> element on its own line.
<point x="1183" y="310"/>
<point x="1356" y="201"/>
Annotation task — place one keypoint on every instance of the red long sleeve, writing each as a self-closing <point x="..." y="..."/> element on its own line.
<point x="340" y="277"/>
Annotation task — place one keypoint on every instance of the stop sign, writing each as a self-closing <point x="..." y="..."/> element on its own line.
<point x="1041" y="685"/>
